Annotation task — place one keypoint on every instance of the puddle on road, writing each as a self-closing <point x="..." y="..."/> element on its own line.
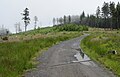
<point x="80" y="57"/>
<point x="83" y="58"/>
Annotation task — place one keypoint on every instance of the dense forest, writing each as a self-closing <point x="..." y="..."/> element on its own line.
<point x="107" y="17"/>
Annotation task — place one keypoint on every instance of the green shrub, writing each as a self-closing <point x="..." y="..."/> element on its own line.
<point x="70" y="27"/>
<point x="4" y="38"/>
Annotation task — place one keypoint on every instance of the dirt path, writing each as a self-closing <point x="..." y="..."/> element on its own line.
<point x="60" y="61"/>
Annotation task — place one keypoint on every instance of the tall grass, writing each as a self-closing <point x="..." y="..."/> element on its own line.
<point x="97" y="46"/>
<point x="15" y="57"/>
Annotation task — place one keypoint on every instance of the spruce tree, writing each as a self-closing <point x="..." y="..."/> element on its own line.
<point x="118" y="15"/>
<point x="26" y="18"/>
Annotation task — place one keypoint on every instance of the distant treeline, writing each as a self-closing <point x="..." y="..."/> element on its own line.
<point x="108" y="16"/>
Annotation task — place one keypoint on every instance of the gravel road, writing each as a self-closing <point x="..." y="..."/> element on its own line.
<point x="60" y="61"/>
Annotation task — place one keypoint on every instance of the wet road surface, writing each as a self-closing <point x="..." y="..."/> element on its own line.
<point x="67" y="60"/>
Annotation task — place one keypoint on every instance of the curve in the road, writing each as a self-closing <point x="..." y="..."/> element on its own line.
<point x="60" y="61"/>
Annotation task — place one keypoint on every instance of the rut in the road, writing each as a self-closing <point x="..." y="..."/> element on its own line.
<point x="67" y="63"/>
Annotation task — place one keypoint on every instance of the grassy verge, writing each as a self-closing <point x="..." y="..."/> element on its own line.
<point x="15" y="56"/>
<point x="97" y="46"/>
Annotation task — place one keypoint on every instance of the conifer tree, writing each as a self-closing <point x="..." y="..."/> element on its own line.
<point x="26" y="18"/>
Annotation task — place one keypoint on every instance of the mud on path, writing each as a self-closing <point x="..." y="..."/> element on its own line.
<point x="65" y="60"/>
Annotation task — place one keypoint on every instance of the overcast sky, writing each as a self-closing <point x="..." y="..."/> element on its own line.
<point x="45" y="10"/>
